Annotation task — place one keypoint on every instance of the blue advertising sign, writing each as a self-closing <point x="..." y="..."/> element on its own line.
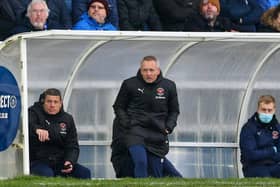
<point x="10" y="107"/>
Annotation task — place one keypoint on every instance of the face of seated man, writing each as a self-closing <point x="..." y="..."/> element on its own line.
<point x="209" y="11"/>
<point x="97" y="12"/>
<point x="52" y="104"/>
<point x="38" y="15"/>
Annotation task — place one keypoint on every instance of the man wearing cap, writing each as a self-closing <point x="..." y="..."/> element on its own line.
<point x="95" y="18"/>
<point x="208" y="19"/>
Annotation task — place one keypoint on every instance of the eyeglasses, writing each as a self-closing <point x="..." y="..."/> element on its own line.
<point x="97" y="7"/>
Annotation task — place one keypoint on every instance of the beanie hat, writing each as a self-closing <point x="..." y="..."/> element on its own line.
<point x="104" y="2"/>
<point x="216" y="3"/>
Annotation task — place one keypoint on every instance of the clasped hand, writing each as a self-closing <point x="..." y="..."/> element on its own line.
<point x="43" y="135"/>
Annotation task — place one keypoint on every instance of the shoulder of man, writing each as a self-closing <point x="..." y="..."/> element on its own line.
<point x="168" y="81"/>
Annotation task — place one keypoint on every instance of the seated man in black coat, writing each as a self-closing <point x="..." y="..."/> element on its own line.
<point x="53" y="141"/>
<point x="209" y="19"/>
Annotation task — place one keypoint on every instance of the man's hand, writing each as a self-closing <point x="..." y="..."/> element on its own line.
<point x="167" y="131"/>
<point x="68" y="167"/>
<point x="43" y="135"/>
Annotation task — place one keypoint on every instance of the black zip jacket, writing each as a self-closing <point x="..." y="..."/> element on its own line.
<point x="143" y="112"/>
<point x="63" y="144"/>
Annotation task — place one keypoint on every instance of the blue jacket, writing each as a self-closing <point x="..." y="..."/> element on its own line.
<point x="249" y="11"/>
<point x="267" y="4"/>
<point x="87" y="23"/>
<point x="80" y="6"/>
<point x="259" y="143"/>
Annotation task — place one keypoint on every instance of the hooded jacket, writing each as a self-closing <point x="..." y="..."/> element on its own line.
<point x="143" y="112"/>
<point x="63" y="143"/>
<point x="259" y="142"/>
<point x="87" y="23"/>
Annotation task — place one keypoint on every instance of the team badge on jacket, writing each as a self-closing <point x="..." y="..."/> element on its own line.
<point x="160" y="93"/>
<point x="275" y="135"/>
<point x="63" y="129"/>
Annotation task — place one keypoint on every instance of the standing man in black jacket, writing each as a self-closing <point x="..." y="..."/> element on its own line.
<point x="53" y="141"/>
<point x="146" y="111"/>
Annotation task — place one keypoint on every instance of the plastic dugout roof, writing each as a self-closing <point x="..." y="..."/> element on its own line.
<point x="193" y="59"/>
<point x="88" y="59"/>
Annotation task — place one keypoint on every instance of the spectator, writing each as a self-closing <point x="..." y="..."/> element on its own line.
<point x="270" y="20"/>
<point x="244" y="13"/>
<point x="267" y="4"/>
<point x="259" y="141"/>
<point x="138" y="15"/>
<point x="81" y="6"/>
<point x="209" y="19"/>
<point x="146" y="111"/>
<point x="95" y="18"/>
<point x="58" y="16"/>
<point x="174" y="14"/>
<point x="53" y="141"/>
<point x="37" y="15"/>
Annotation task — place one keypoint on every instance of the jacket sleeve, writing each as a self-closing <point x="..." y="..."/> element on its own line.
<point x="154" y="21"/>
<point x="71" y="145"/>
<point x="120" y="106"/>
<point x="78" y="8"/>
<point x="66" y="19"/>
<point x="173" y="108"/>
<point x="254" y="15"/>
<point x="249" y="149"/>
<point x="33" y="124"/>
<point x="114" y="15"/>
<point x="124" y="22"/>
<point x="59" y="17"/>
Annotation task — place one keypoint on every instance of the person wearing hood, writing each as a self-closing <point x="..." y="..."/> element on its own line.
<point x="146" y="109"/>
<point x="270" y="20"/>
<point x="259" y="141"/>
<point x="95" y="18"/>
<point x="53" y="142"/>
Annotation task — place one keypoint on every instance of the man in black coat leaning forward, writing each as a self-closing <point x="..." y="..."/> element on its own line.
<point x="146" y="111"/>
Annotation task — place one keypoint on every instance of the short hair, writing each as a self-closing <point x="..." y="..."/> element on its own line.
<point x="50" y="91"/>
<point x="266" y="99"/>
<point x="151" y="58"/>
<point x="34" y="2"/>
